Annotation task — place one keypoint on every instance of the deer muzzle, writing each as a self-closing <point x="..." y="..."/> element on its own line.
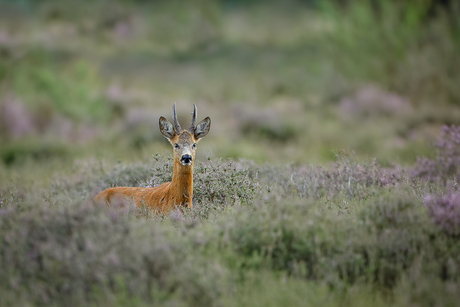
<point x="186" y="160"/>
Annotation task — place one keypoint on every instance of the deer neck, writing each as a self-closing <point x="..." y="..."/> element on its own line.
<point x="182" y="184"/>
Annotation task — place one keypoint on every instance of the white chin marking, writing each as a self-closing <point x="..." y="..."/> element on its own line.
<point x="186" y="164"/>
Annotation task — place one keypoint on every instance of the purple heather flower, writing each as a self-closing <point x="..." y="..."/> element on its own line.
<point x="445" y="210"/>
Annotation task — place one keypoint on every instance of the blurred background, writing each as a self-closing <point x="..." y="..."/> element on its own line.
<point x="283" y="81"/>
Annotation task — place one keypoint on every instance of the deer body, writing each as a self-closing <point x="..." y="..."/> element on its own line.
<point x="178" y="192"/>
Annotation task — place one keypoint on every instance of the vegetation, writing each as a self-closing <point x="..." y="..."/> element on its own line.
<point x="283" y="213"/>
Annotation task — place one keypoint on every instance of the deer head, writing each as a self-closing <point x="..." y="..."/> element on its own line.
<point x="184" y="141"/>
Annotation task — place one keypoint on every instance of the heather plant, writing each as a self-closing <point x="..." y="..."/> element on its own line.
<point x="447" y="160"/>
<point x="80" y="254"/>
<point x="162" y="171"/>
<point x="91" y="176"/>
<point x="10" y="197"/>
<point x="346" y="177"/>
<point x="223" y="184"/>
<point x="388" y="237"/>
<point x="216" y="184"/>
<point x="85" y="254"/>
<point x="444" y="209"/>
<point x="348" y="232"/>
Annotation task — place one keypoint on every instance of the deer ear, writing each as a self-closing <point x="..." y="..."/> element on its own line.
<point x="202" y="128"/>
<point x="166" y="128"/>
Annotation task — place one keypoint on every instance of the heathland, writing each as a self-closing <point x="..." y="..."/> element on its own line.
<point x="329" y="177"/>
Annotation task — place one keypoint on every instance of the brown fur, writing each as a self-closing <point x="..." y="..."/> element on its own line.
<point x="178" y="192"/>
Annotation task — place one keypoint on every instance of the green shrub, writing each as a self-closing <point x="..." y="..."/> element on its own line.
<point x="18" y="152"/>
<point x="401" y="44"/>
<point x="70" y="91"/>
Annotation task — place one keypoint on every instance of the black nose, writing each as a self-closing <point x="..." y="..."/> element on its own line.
<point x="186" y="159"/>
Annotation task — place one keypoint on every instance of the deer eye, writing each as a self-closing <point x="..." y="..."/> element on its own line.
<point x="176" y="146"/>
<point x="194" y="145"/>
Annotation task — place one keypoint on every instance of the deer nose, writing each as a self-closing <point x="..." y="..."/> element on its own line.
<point x="186" y="159"/>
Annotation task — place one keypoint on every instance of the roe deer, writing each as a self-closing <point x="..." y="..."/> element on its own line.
<point x="179" y="191"/>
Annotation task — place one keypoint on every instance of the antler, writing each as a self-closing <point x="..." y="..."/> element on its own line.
<point x="176" y="122"/>
<point x="192" y="126"/>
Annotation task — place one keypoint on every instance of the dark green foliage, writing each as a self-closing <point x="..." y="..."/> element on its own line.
<point x="22" y="151"/>
<point x="391" y="40"/>
<point x="272" y="132"/>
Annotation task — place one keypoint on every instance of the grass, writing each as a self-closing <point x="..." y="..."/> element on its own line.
<point x="282" y="215"/>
